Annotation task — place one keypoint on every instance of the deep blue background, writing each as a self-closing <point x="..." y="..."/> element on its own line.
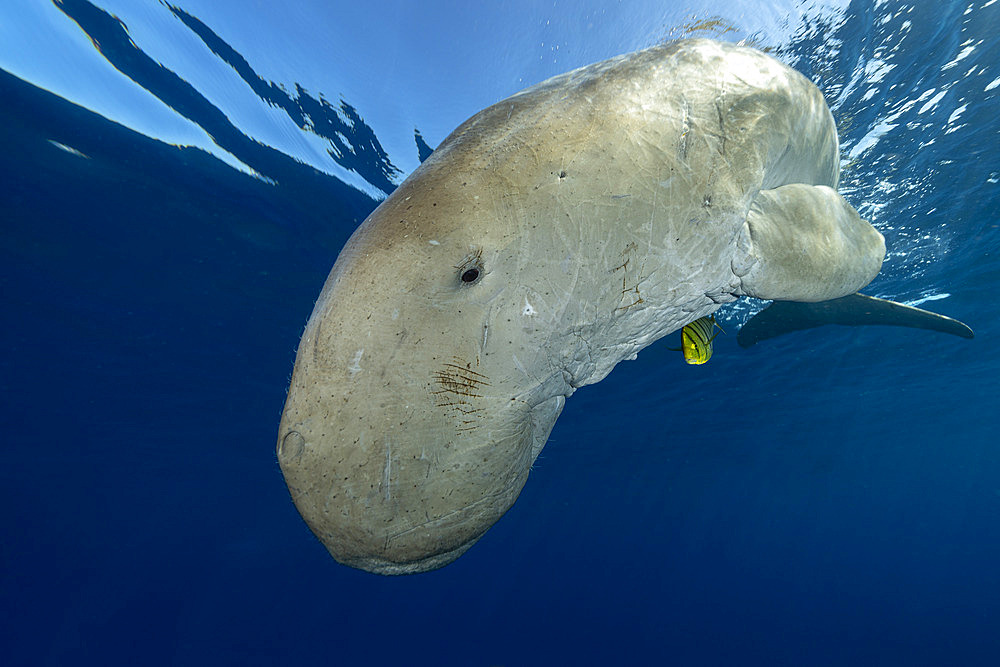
<point x="830" y="497"/>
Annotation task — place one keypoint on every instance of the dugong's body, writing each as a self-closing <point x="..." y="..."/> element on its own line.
<point x="551" y="236"/>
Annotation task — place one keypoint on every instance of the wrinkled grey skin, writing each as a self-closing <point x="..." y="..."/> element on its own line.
<point x="602" y="209"/>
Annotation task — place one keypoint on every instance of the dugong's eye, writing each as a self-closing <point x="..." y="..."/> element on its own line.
<point x="471" y="269"/>
<point x="471" y="274"/>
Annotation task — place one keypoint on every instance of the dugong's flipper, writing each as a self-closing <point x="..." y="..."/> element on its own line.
<point x="783" y="317"/>
<point x="805" y="243"/>
<point x="809" y="250"/>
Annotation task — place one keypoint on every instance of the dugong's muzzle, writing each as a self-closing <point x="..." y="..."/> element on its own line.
<point x="398" y="459"/>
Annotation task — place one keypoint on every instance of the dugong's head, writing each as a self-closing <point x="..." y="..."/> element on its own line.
<point x="430" y="372"/>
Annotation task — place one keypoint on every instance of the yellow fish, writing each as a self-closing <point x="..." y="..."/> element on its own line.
<point x="696" y="340"/>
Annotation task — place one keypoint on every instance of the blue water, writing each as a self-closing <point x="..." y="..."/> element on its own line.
<point x="829" y="497"/>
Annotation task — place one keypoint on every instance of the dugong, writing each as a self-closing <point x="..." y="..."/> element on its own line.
<point x="551" y="236"/>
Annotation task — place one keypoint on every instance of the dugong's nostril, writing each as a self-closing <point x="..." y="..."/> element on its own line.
<point x="290" y="447"/>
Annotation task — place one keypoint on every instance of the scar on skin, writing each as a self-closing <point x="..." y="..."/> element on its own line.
<point x="630" y="295"/>
<point x="355" y="366"/>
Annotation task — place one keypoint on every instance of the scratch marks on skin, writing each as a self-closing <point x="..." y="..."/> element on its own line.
<point x="458" y="385"/>
<point x="685" y="129"/>
<point x="631" y="277"/>
<point x="387" y="472"/>
<point x="722" y="126"/>
<point x="459" y="379"/>
<point x="520" y="366"/>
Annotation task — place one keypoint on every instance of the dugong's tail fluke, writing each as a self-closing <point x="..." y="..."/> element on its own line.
<point x="783" y="317"/>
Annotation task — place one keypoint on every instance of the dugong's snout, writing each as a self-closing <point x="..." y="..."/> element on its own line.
<point x="401" y="490"/>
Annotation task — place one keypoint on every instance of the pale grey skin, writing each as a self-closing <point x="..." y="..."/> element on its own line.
<point x="603" y="209"/>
